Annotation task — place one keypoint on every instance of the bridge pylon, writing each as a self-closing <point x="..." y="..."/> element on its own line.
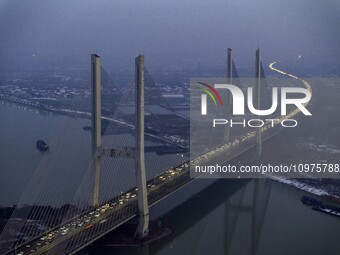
<point x="136" y="153"/>
<point x="96" y="126"/>
<point x="258" y="96"/>
<point x="229" y="106"/>
<point x="143" y="207"/>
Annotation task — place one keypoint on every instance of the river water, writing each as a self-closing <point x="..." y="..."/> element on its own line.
<point x="242" y="217"/>
<point x="227" y="217"/>
<point x="62" y="174"/>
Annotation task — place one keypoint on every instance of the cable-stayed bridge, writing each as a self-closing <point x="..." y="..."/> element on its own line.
<point x="75" y="227"/>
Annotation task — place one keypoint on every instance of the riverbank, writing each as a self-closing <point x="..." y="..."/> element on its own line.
<point x="302" y="185"/>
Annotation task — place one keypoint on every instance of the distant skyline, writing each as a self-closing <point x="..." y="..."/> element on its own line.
<point x="36" y="33"/>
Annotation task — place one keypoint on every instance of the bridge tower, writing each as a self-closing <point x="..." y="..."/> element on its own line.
<point x="96" y="125"/>
<point x="136" y="153"/>
<point x="229" y="106"/>
<point x="143" y="207"/>
<point x="258" y="95"/>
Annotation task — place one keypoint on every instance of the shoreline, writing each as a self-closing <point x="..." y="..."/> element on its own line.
<point x="295" y="183"/>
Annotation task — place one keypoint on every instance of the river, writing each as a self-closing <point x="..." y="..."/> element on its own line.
<point x="242" y="217"/>
<point x="227" y="217"/>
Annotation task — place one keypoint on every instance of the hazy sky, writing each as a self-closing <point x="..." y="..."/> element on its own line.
<point x="169" y="33"/>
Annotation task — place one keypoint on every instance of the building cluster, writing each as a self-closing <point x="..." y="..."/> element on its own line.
<point x="62" y="92"/>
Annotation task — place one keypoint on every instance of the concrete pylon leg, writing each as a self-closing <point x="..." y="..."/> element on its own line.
<point x="258" y="95"/>
<point x="143" y="207"/>
<point x="96" y="126"/>
<point x="229" y="106"/>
